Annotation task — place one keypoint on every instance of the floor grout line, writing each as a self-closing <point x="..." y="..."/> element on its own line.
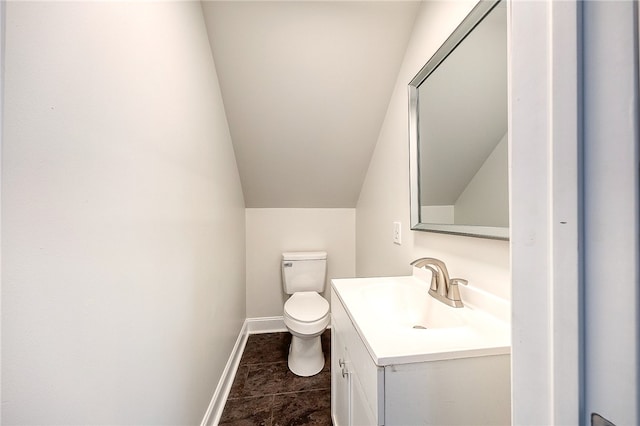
<point x="281" y="393"/>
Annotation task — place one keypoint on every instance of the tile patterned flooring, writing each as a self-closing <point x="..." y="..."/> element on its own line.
<point x="266" y="393"/>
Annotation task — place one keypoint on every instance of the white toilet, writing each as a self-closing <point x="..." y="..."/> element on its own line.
<point x="306" y="313"/>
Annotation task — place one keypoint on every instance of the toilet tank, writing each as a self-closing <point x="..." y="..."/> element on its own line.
<point x="304" y="271"/>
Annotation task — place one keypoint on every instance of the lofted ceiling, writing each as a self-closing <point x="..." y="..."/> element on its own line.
<point x="306" y="86"/>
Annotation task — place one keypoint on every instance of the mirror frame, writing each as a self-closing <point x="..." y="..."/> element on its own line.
<point x="474" y="17"/>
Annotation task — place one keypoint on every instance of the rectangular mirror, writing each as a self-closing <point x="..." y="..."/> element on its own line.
<point x="458" y="131"/>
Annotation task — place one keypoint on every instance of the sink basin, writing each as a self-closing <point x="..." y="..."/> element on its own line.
<point x="401" y="323"/>
<point x="408" y="305"/>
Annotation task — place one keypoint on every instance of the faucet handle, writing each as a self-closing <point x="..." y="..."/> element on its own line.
<point x="454" y="293"/>
<point x="459" y="281"/>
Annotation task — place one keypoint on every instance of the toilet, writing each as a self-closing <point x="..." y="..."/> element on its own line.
<point x="306" y="313"/>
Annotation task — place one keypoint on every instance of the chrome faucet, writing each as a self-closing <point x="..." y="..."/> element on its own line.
<point x="443" y="288"/>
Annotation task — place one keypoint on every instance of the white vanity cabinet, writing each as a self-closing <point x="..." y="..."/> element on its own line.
<point x="340" y="381"/>
<point x="368" y="390"/>
<point x="355" y="379"/>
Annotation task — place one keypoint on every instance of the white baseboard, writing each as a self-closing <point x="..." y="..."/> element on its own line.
<point x="266" y="325"/>
<point x="216" y="406"/>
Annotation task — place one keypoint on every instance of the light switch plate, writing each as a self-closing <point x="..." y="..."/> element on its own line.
<point x="397" y="233"/>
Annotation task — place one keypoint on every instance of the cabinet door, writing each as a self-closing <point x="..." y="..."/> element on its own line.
<point x="361" y="414"/>
<point x="340" y="381"/>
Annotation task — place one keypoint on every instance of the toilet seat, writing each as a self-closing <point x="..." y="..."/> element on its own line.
<point x="306" y="306"/>
<point x="306" y="313"/>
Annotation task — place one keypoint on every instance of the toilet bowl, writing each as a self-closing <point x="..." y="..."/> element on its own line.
<point x="306" y="312"/>
<point x="306" y="315"/>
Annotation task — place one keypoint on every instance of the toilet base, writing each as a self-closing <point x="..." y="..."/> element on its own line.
<point x="305" y="356"/>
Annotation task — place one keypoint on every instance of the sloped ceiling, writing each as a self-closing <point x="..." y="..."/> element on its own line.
<point x="306" y="86"/>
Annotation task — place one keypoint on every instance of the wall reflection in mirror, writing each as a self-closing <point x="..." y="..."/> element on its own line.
<point x="458" y="131"/>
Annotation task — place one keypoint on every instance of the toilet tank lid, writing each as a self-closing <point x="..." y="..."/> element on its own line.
<point x="304" y="255"/>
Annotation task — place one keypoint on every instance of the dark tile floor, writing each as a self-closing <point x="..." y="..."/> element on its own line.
<point x="265" y="392"/>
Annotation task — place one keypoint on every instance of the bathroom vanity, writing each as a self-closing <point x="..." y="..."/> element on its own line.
<point x="400" y="357"/>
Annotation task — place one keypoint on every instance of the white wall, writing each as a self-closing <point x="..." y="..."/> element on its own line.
<point x="385" y="194"/>
<point x="611" y="218"/>
<point x="123" y="217"/>
<point x="273" y="231"/>
<point x="2" y="43"/>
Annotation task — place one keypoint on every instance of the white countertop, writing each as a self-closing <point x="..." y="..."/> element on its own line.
<point x="384" y="310"/>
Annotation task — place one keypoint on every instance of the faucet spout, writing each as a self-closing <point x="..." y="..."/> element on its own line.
<point x="440" y="273"/>
<point x="442" y="287"/>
